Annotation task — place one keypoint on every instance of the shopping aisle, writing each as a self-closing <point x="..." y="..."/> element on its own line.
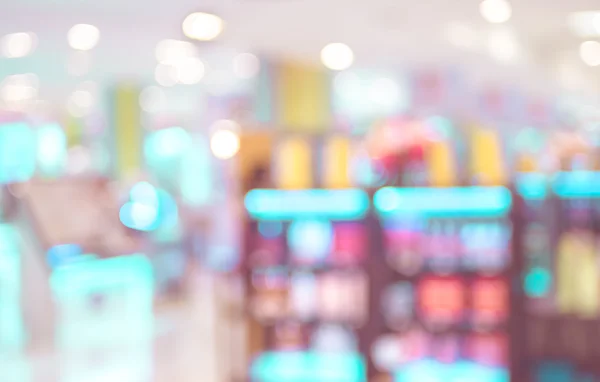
<point x="184" y="348"/>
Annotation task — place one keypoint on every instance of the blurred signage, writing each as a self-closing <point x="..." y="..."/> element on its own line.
<point x="78" y="211"/>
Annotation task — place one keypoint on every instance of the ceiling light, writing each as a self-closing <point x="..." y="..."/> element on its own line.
<point x="83" y="36"/>
<point x="337" y="56"/>
<point x="202" y="26"/>
<point x="495" y="11"/>
<point x="19" y="88"/>
<point x="224" y="143"/>
<point x="585" y="24"/>
<point x="246" y="65"/>
<point x="17" y="45"/>
<point x="589" y="52"/>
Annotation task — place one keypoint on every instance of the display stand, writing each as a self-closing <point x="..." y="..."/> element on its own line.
<point x="441" y="294"/>
<point x="306" y="287"/>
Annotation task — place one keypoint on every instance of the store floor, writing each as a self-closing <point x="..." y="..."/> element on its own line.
<point x="184" y="348"/>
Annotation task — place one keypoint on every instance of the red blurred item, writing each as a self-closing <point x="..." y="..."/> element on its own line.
<point x="490" y="300"/>
<point x="442" y="299"/>
<point x="488" y="349"/>
<point x="349" y="243"/>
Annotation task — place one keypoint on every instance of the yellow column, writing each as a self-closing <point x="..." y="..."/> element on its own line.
<point x="303" y="97"/>
<point x="441" y="164"/>
<point x="127" y="131"/>
<point x="527" y="163"/>
<point x="337" y="156"/>
<point x="256" y="150"/>
<point x="73" y="131"/>
<point x="487" y="162"/>
<point x="294" y="164"/>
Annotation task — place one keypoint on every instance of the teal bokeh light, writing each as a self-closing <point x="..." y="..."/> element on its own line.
<point x="149" y="209"/>
<point x="538" y="282"/>
<point x="167" y="143"/>
<point x="310" y="240"/>
<point x="532" y="186"/>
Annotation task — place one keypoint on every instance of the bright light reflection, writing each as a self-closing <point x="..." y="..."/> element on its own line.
<point x="585" y="24"/>
<point x="224" y="143"/>
<point x="337" y="56"/>
<point x="496" y="11"/>
<point x="19" y="88"/>
<point x="83" y="37"/>
<point x="16" y="45"/>
<point x="589" y="51"/>
<point x="202" y="26"/>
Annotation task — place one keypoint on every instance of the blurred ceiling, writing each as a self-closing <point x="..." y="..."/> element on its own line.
<point x="382" y="33"/>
